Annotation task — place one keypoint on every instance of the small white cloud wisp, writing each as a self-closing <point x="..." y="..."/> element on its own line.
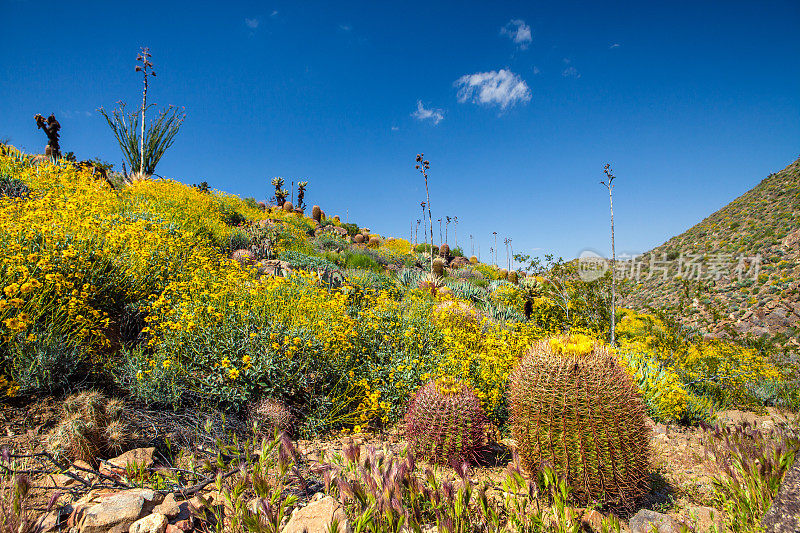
<point x="519" y="32"/>
<point x="501" y="88"/>
<point x="436" y="115"/>
<point x="252" y="23"/>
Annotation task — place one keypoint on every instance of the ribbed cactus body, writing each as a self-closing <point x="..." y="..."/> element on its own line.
<point x="288" y="207"/>
<point x="582" y="414"/>
<point x="445" y="422"/>
<point x="474" y="260"/>
<point x="503" y="273"/>
<point x="359" y="238"/>
<point x="438" y="267"/>
<point x="316" y="213"/>
<point x="512" y="277"/>
<point x="444" y="250"/>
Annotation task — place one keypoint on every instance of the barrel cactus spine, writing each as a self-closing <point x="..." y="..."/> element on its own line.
<point x="316" y="213"/>
<point x="288" y="207"/>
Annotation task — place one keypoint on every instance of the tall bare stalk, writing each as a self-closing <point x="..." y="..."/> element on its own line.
<point x="609" y="183"/>
<point x="146" y="69"/>
<point x="423" y="165"/>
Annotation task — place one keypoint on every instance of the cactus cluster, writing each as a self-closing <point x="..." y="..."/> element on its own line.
<point x="438" y="267"/>
<point x="272" y="415"/>
<point x="316" y="213"/>
<point x="91" y="426"/>
<point x="445" y="423"/>
<point x="579" y="412"/>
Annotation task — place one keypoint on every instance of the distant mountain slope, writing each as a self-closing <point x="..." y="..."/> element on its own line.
<point x="737" y="271"/>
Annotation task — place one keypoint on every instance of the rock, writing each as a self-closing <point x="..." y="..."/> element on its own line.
<point x="275" y="267"/>
<point x="173" y="509"/>
<point x="154" y="523"/>
<point x="592" y="521"/>
<point x="316" y="517"/>
<point x="141" y="457"/>
<point x="701" y="518"/>
<point x="783" y="516"/>
<point x="647" y="521"/>
<point x="52" y="521"/>
<point x="118" y="510"/>
<point x="180" y="526"/>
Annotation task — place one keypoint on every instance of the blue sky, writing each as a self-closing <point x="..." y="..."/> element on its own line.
<point x="518" y="105"/>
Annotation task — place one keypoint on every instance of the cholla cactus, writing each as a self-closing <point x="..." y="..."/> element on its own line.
<point x="445" y="423"/>
<point x="573" y="406"/>
<point x="273" y="415"/>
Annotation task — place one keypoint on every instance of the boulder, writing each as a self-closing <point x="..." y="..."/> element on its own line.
<point x="116" y="512"/>
<point x="154" y="523"/>
<point x="141" y="457"/>
<point x="647" y="521"/>
<point x="316" y="517"/>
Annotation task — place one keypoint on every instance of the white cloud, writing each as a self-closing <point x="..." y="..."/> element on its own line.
<point x="252" y="23"/>
<point x="274" y="13"/>
<point x="519" y="32"/>
<point x="502" y="88"/>
<point x="615" y="45"/>
<point x="436" y="115"/>
<point x="395" y="128"/>
<point x="571" y="72"/>
<point x="345" y="27"/>
<point x="536" y="70"/>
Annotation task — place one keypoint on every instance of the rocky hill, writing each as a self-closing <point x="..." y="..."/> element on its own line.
<point x="735" y="273"/>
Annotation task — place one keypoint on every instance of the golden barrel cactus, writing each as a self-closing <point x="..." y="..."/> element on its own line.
<point x="575" y="408"/>
<point x="445" y="423"/>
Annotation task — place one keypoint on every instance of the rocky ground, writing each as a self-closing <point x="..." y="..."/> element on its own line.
<point x="681" y="481"/>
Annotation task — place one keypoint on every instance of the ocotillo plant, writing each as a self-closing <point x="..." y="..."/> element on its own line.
<point x="446" y="226"/>
<point x="423" y="165"/>
<point x="609" y="183"/>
